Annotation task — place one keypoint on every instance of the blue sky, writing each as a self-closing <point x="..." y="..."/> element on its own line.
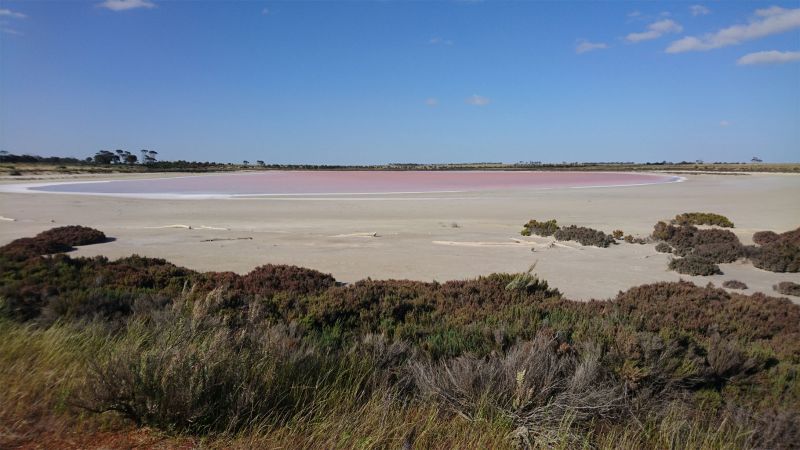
<point x="377" y="82"/>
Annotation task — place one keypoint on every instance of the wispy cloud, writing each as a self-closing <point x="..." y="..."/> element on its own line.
<point x="9" y="13"/>
<point x="478" y="100"/>
<point x="125" y="5"/>
<point x="440" y="41"/>
<point x="584" y="46"/>
<point x="768" y="57"/>
<point x="699" y="10"/>
<point x="724" y="123"/>
<point x="11" y="31"/>
<point x="768" y="21"/>
<point x="655" y="30"/>
<point x="265" y="12"/>
<point x="432" y="102"/>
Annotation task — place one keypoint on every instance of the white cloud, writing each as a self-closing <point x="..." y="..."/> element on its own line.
<point x="699" y="10"/>
<point x="124" y="5"/>
<point x="265" y="11"/>
<point x="440" y="41"/>
<point x="768" y="57"/>
<point x="633" y="14"/>
<point x="478" y="100"/>
<point x="432" y="102"/>
<point x="655" y="30"/>
<point x="771" y="20"/>
<point x="724" y="123"/>
<point x="12" y="31"/>
<point x="584" y="46"/>
<point x="9" y="13"/>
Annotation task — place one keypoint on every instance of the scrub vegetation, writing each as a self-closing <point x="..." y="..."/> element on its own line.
<point x="701" y="218"/>
<point x="93" y="350"/>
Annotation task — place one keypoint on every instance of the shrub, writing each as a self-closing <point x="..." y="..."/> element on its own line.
<point x="698" y="218"/>
<point x="663" y="247"/>
<point x="715" y="245"/>
<point x="694" y="265"/>
<point x="183" y="376"/>
<point x="74" y="235"/>
<point x="535" y="384"/>
<point x="765" y="237"/>
<point x="24" y="248"/>
<point x="734" y="284"/>
<point x="630" y="239"/>
<point x="778" y="252"/>
<point x="787" y="288"/>
<point x="56" y="240"/>
<point x="617" y="234"/>
<point x="547" y="228"/>
<point x="583" y="235"/>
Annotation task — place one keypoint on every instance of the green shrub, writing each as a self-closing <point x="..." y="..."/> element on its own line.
<point x="699" y="218"/>
<point x="547" y="228"/>
<point x="715" y="245"/>
<point x="584" y="235"/>
<point x="694" y="265"/>
<point x="630" y="239"/>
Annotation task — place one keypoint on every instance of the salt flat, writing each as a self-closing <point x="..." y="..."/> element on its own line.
<point x="434" y="236"/>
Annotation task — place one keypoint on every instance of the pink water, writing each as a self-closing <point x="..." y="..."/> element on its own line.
<point x="355" y="182"/>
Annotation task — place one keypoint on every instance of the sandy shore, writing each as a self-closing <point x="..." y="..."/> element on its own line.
<point x="424" y="236"/>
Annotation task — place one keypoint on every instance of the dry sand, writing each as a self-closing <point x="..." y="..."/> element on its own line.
<point x="425" y="236"/>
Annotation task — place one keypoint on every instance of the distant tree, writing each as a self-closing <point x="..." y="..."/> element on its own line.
<point x="105" y="157"/>
<point x="246" y="162"/>
<point x="152" y="154"/>
<point x="261" y="163"/>
<point x="130" y="158"/>
<point x="3" y="152"/>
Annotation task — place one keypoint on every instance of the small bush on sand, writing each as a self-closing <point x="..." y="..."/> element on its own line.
<point x="715" y="245"/>
<point x="617" y="234"/>
<point x="734" y="284"/>
<point x="547" y="228"/>
<point x="699" y="218"/>
<point x="787" y="288"/>
<point x="584" y="235"/>
<point x="663" y="247"/>
<point x="74" y="235"/>
<point x="693" y="265"/>
<point x="56" y="240"/>
<point x="778" y="253"/>
<point x="765" y="237"/>
<point x="631" y="239"/>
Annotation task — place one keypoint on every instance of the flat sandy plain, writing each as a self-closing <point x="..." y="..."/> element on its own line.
<point x="421" y="236"/>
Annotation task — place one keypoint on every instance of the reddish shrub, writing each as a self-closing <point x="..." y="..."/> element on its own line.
<point x="56" y="240"/>
<point x="24" y="248"/>
<point x="765" y="237"/>
<point x="734" y="284"/>
<point x="777" y="252"/>
<point x="694" y="265"/>
<point x="787" y="288"/>
<point x="74" y="235"/>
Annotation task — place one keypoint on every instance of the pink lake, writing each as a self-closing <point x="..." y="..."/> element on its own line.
<point x="353" y="182"/>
